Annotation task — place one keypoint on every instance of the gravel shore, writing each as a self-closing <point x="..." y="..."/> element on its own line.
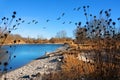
<point x="34" y="69"/>
<point x="50" y="62"/>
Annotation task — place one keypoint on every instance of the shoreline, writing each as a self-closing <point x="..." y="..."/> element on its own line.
<point x="29" y="43"/>
<point x="39" y="66"/>
<point x="42" y="65"/>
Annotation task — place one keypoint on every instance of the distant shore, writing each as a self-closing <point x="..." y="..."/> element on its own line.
<point x="29" y="43"/>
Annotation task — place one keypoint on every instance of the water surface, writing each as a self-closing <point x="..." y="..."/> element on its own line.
<point x="25" y="53"/>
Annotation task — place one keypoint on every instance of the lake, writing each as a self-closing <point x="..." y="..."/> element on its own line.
<point x="24" y="53"/>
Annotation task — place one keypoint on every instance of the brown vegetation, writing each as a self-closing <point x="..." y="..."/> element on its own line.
<point x="74" y="69"/>
<point x="98" y="44"/>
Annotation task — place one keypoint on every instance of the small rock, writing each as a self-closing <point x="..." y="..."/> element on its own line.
<point x="26" y="76"/>
<point x="38" y="68"/>
<point x="60" y="58"/>
<point x="33" y="75"/>
<point x="53" y="60"/>
<point x="50" y="55"/>
<point x="38" y="74"/>
<point x="47" y="53"/>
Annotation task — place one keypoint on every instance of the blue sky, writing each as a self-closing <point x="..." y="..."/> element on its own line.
<point x="41" y="10"/>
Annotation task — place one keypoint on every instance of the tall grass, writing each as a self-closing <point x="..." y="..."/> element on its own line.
<point x="98" y="41"/>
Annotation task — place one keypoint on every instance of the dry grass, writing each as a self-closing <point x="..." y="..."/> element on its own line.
<point x="71" y="69"/>
<point x="74" y="69"/>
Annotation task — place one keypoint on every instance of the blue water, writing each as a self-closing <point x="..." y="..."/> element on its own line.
<point x="25" y="53"/>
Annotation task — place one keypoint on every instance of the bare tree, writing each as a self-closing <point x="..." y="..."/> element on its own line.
<point x="61" y="34"/>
